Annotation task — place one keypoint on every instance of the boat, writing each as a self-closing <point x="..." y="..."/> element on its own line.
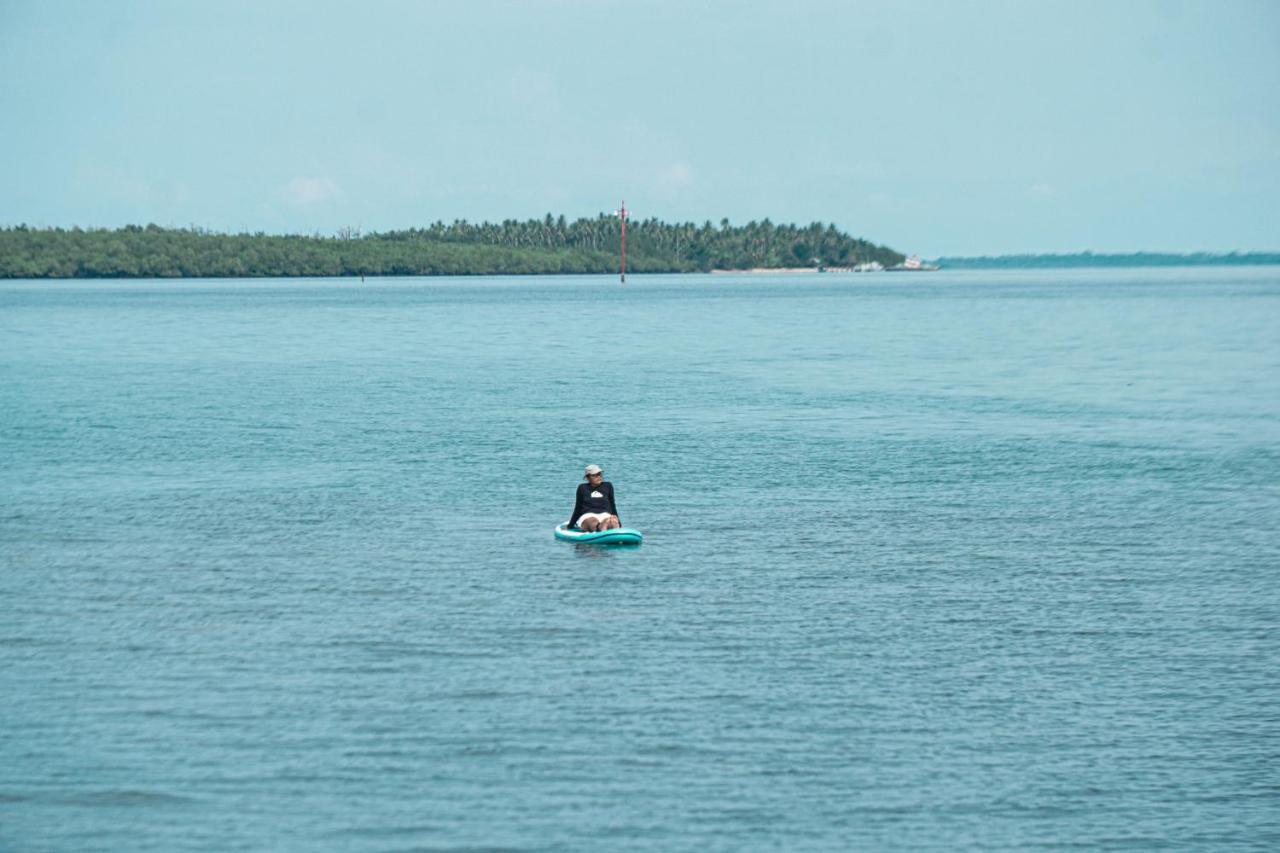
<point x="913" y="264"/>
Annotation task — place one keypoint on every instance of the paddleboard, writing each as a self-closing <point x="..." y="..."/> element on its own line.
<point x="617" y="536"/>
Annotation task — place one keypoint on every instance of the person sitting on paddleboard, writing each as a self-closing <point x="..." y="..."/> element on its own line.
<point x="594" y="509"/>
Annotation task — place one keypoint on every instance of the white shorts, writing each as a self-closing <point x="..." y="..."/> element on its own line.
<point x="598" y="516"/>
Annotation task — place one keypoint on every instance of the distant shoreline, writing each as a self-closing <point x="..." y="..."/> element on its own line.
<point x="765" y="271"/>
<point x="757" y="271"/>
<point x="552" y="245"/>
<point x="549" y="246"/>
<point x="1092" y="259"/>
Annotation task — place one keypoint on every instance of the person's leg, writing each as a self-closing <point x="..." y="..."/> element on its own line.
<point x="611" y="523"/>
<point x="589" y="524"/>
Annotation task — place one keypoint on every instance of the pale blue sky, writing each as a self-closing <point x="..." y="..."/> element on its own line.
<point x="933" y="127"/>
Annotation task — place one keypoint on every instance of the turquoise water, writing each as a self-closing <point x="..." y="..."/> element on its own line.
<point x="965" y="560"/>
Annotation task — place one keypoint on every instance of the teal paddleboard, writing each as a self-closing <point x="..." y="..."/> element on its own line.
<point x="617" y="536"/>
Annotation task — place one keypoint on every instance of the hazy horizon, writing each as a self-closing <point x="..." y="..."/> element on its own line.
<point x="959" y="129"/>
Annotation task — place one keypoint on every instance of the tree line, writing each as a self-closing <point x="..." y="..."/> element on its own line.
<point x="1091" y="259"/>
<point x="512" y="247"/>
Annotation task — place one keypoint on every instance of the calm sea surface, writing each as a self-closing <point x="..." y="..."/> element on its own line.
<point x="961" y="560"/>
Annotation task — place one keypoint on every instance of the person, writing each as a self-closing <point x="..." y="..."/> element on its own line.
<point x="594" y="509"/>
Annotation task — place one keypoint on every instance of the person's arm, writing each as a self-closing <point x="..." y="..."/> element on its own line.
<point x="613" y="507"/>
<point x="577" y="506"/>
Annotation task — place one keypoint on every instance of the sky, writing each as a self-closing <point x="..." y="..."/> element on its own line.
<point x="939" y="128"/>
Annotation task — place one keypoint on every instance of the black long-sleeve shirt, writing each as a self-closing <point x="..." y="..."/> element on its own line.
<point x="593" y="499"/>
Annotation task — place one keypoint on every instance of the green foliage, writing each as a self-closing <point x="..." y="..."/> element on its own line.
<point x="548" y="245"/>
<point x="1089" y="259"/>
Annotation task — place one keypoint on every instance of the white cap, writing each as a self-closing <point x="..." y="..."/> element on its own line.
<point x="593" y="469"/>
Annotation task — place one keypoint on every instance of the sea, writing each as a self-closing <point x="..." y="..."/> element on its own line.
<point x="963" y="560"/>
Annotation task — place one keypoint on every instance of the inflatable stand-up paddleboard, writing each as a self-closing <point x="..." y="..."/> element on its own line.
<point x="616" y="536"/>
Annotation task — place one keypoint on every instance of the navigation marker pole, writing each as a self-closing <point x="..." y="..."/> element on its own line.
<point x="622" y="214"/>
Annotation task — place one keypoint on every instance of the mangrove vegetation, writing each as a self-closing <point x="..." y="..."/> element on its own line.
<point x="1092" y="259"/>
<point x="548" y="245"/>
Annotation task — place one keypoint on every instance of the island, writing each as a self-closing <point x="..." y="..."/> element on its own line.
<point x="551" y="245"/>
<point x="1096" y="259"/>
